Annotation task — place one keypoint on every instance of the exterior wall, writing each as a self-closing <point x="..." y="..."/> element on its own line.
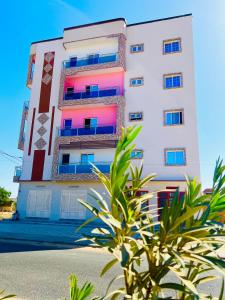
<point x="115" y="79"/>
<point x="105" y="114"/>
<point x="153" y="99"/>
<point x="57" y="188"/>
<point x="90" y="32"/>
<point x="103" y="45"/>
<point x="100" y="155"/>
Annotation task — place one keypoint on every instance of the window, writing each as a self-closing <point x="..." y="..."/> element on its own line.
<point x="67" y="123"/>
<point x="137" y="154"/>
<point x="70" y="90"/>
<point x="65" y="159"/>
<point x="86" y="158"/>
<point x="173" y="118"/>
<point x="137" y="48"/>
<point x="172" y="81"/>
<point x="91" y="88"/>
<point x="137" y="116"/>
<point x="137" y="81"/>
<point x="172" y="46"/>
<point x="92" y="122"/>
<point x="175" y="157"/>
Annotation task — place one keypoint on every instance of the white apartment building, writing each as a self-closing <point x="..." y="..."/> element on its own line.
<point x="84" y="87"/>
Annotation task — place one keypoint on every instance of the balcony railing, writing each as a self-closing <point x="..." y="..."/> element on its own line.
<point x="101" y="129"/>
<point x="105" y="92"/>
<point x="90" y="60"/>
<point x="26" y="105"/>
<point x="83" y="168"/>
<point x="18" y="171"/>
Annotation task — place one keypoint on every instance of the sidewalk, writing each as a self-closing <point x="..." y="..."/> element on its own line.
<point x="43" y="231"/>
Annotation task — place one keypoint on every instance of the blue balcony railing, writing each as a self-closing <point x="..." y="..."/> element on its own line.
<point x="83" y="168"/>
<point x="90" y="60"/>
<point x="101" y="129"/>
<point x="106" y="92"/>
<point x="18" y="171"/>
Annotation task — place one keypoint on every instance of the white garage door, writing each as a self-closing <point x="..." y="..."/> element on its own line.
<point x="39" y="203"/>
<point x="70" y="208"/>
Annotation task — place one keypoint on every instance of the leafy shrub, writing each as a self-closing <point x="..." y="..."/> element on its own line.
<point x="183" y="243"/>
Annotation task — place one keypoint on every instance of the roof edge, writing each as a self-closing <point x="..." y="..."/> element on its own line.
<point x="47" y="40"/>
<point x="109" y="21"/>
<point x="96" y="23"/>
<point x="158" y="20"/>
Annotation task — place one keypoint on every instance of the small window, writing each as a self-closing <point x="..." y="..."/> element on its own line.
<point x="65" y="159"/>
<point x="172" y="46"/>
<point x="173" y="118"/>
<point x="172" y="81"/>
<point x="137" y="154"/>
<point x="137" y="81"/>
<point x="87" y="157"/>
<point x="137" y="116"/>
<point x="67" y="123"/>
<point x="175" y="157"/>
<point x="137" y="48"/>
<point x="92" y="122"/>
<point x="70" y="90"/>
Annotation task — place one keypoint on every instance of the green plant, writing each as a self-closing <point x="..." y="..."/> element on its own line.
<point x="2" y="297"/>
<point x="4" y="196"/>
<point x="182" y="243"/>
<point x="77" y="293"/>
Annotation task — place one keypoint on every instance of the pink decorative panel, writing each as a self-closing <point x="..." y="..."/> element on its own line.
<point x="105" y="114"/>
<point x="106" y="80"/>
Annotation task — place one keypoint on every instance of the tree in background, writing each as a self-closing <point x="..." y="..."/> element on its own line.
<point x="4" y="196"/>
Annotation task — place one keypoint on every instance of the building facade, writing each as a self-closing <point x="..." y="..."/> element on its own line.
<point x="84" y="87"/>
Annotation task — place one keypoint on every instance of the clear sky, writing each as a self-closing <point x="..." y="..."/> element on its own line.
<point x="25" y="21"/>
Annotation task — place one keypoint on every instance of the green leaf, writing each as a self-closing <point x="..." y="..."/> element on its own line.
<point x="108" y="266"/>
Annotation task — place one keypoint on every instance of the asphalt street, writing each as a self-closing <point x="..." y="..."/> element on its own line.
<point x="40" y="271"/>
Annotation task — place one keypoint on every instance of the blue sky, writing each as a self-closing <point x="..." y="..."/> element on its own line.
<point x="25" y="21"/>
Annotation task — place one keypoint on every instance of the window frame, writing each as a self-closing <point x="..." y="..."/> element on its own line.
<point x="137" y="45"/>
<point x="136" y="78"/>
<point x="168" y="41"/>
<point x="165" y="112"/>
<point x="136" y="120"/>
<point x="174" y="150"/>
<point x="137" y="150"/>
<point x="165" y="76"/>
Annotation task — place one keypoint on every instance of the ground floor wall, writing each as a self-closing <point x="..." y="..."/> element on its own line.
<point x="58" y="201"/>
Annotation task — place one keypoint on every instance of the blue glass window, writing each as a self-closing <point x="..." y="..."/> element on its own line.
<point x="175" y="157"/>
<point x="135" y="116"/>
<point x="136" y="81"/>
<point x="172" y="46"/>
<point x="173" y="81"/>
<point x="173" y="117"/>
<point x="137" y="154"/>
<point x="137" y="48"/>
<point x="86" y="158"/>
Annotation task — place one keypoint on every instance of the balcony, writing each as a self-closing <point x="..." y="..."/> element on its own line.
<point x="104" y="92"/>
<point x="17" y="173"/>
<point x="90" y="60"/>
<point x="101" y="129"/>
<point x="83" y="168"/>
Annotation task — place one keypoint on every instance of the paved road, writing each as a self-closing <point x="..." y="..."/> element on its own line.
<point x="40" y="272"/>
<point x="37" y="271"/>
